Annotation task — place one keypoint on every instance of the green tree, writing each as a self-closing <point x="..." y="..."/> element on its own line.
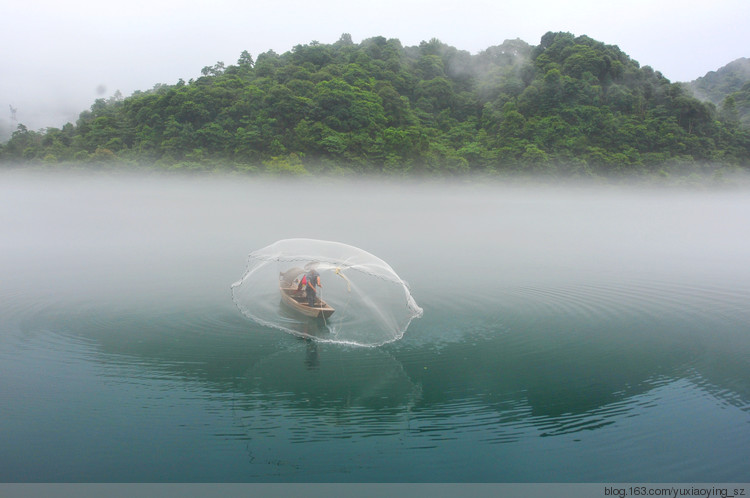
<point x="570" y="105"/>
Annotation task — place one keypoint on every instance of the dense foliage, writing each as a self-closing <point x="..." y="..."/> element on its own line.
<point x="728" y="88"/>
<point x="570" y="105"/>
<point x="735" y="108"/>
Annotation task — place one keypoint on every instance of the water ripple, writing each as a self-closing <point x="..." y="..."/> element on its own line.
<point x="646" y="298"/>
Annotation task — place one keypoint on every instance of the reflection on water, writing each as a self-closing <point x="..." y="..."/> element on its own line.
<point x="333" y="393"/>
<point x="316" y="328"/>
<point x="567" y="336"/>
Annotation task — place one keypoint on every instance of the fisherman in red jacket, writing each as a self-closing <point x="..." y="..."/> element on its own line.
<point x="312" y="279"/>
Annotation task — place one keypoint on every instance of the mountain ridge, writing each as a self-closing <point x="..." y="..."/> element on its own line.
<point x="570" y="105"/>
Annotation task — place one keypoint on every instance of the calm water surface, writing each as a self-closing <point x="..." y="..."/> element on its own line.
<point x="578" y="334"/>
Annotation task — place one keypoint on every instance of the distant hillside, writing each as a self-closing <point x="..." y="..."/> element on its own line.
<point x="729" y="89"/>
<point x="569" y="106"/>
<point x="715" y="86"/>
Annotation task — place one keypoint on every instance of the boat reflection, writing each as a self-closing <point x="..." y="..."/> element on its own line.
<point x="310" y="328"/>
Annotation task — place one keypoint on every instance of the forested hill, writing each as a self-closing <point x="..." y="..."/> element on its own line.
<point x="728" y="88"/>
<point x="570" y="105"/>
<point x="715" y="86"/>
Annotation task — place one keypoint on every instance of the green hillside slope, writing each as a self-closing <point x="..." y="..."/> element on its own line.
<point x="570" y="105"/>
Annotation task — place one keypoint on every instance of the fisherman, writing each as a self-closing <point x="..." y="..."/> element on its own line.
<point x="302" y="284"/>
<point x="311" y="279"/>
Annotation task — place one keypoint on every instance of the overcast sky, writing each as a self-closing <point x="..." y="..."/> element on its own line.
<point x="58" y="57"/>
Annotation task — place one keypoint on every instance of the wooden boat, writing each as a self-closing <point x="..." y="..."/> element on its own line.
<point x="298" y="301"/>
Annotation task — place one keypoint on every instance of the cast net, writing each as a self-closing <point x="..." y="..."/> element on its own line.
<point x="361" y="300"/>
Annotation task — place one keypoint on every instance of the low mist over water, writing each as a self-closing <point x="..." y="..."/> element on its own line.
<point x="585" y="333"/>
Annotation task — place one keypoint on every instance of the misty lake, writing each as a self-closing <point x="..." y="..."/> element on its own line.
<point x="570" y="334"/>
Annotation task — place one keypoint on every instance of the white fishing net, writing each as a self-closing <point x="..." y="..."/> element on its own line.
<point x="361" y="300"/>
